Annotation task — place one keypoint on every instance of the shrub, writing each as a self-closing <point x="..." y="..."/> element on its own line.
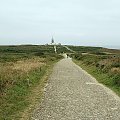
<point x="116" y="64"/>
<point x="98" y="53"/>
<point x="39" y="54"/>
<point x="116" y="79"/>
<point x="78" y="56"/>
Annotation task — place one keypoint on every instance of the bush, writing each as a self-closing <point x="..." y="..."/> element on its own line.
<point x="116" y="79"/>
<point x="98" y="53"/>
<point x="78" y="56"/>
<point x="39" y="54"/>
<point x="115" y="64"/>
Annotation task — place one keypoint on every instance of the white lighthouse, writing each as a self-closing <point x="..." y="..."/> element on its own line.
<point x="53" y="42"/>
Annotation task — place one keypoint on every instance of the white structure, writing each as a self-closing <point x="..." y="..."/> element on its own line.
<point x="53" y="42"/>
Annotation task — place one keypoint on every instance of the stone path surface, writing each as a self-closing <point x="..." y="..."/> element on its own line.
<point x="72" y="94"/>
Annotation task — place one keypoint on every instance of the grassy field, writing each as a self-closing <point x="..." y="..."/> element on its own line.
<point x="94" y="50"/>
<point x="21" y="70"/>
<point x="102" y="63"/>
<point x="24" y="70"/>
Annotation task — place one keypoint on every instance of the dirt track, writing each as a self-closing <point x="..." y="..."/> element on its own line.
<point x="72" y="94"/>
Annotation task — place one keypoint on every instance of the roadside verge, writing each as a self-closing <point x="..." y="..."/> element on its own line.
<point x="103" y="78"/>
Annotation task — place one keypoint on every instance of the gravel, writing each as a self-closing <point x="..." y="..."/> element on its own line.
<point x="72" y="94"/>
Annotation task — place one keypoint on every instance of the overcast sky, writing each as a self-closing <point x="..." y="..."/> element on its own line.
<point x="78" y="22"/>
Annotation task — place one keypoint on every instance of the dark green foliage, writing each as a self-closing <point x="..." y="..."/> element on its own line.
<point x="109" y="65"/>
<point x="15" y="53"/>
<point x="116" y="64"/>
<point x="26" y="49"/>
<point x="116" y="79"/>
<point x="84" y="49"/>
<point x="39" y="54"/>
<point x="98" y="53"/>
<point x="94" y="50"/>
<point x="78" y="56"/>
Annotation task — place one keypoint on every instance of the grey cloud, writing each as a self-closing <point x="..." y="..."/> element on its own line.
<point x="84" y="22"/>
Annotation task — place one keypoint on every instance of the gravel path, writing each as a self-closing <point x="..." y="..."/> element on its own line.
<point x="72" y="94"/>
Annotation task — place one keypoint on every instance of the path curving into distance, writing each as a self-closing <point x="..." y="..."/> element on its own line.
<point x="69" y="49"/>
<point x="72" y="94"/>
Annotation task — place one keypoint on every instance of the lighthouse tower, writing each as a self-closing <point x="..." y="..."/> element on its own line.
<point x="52" y="41"/>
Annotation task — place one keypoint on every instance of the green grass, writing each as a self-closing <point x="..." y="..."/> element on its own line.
<point x="103" y="78"/>
<point x="16" y="97"/>
<point x="102" y="63"/>
<point x="14" y="101"/>
<point x="84" y="49"/>
<point x="17" y="86"/>
<point x="26" y="49"/>
<point x="94" y="50"/>
<point x="15" y="53"/>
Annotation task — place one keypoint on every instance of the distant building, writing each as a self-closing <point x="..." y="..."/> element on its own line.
<point x="53" y="42"/>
